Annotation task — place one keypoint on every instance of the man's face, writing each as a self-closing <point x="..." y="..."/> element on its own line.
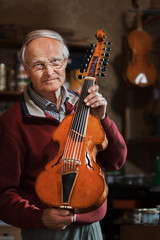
<point x="44" y="50"/>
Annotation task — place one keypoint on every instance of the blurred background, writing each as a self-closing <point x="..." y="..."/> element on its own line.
<point x="133" y="100"/>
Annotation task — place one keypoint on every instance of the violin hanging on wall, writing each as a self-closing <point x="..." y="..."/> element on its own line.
<point x="140" y="71"/>
<point x="73" y="180"/>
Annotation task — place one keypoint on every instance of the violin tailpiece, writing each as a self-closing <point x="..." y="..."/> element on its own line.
<point x="68" y="182"/>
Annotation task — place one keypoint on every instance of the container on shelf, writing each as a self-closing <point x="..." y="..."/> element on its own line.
<point x="3" y="77"/>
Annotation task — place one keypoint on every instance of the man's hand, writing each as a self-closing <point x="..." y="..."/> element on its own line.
<point x="96" y="102"/>
<point x="57" y="218"/>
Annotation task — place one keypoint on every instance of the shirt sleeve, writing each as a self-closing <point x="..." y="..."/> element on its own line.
<point x="93" y="216"/>
<point x="114" y="156"/>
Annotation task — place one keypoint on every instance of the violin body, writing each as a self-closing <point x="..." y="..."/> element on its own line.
<point x="140" y="71"/>
<point x="88" y="189"/>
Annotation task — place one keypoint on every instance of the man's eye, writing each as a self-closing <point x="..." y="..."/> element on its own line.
<point x="39" y="65"/>
<point x="56" y="61"/>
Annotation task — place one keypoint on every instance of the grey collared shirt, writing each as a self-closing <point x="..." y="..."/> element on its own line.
<point x="48" y="106"/>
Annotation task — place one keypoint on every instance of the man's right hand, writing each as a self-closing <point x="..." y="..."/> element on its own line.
<point x="57" y="218"/>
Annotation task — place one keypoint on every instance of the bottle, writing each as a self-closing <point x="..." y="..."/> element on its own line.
<point x="3" y="77"/>
<point x="22" y="78"/>
<point x="11" y="83"/>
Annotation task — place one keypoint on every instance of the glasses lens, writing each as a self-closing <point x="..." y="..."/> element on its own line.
<point x="57" y="63"/>
<point x="54" y="64"/>
<point x="38" y="67"/>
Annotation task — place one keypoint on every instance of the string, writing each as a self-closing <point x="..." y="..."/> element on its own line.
<point x="82" y="112"/>
<point x="74" y="144"/>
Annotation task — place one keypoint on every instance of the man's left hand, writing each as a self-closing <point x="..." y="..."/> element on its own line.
<point x="96" y="102"/>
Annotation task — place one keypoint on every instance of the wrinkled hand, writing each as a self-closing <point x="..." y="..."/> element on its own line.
<point x="96" y="102"/>
<point x="57" y="218"/>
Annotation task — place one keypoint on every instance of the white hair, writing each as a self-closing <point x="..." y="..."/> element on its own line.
<point x="42" y="33"/>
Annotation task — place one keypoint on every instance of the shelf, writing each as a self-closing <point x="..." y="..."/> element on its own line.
<point x="125" y="203"/>
<point x="9" y="95"/>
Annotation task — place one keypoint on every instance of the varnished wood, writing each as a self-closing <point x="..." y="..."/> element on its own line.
<point x="140" y="71"/>
<point x="90" y="190"/>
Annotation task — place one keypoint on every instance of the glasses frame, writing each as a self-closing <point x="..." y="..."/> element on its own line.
<point x="45" y="65"/>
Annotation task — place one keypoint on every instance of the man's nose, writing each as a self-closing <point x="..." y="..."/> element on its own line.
<point x="49" y="69"/>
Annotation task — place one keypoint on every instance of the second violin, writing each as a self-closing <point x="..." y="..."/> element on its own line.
<point x="140" y="71"/>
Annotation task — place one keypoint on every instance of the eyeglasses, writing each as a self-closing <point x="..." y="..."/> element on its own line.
<point x="56" y="63"/>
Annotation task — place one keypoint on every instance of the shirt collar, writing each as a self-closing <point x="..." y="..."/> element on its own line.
<point x="30" y="108"/>
<point x="44" y="103"/>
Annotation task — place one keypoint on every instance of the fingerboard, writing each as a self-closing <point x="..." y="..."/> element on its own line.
<point x="81" y="116"/>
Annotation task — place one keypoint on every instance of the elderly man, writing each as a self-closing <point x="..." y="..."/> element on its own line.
<point x="27" y="145"/>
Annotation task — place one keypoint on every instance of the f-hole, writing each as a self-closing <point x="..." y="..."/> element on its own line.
<point x="89" y="161"/>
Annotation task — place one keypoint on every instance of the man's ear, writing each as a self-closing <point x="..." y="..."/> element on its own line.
<point x="26" y="70"/>
<point x="66" y="61"/>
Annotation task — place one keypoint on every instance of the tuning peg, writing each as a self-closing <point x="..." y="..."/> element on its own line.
<point x="101" y="74"/>
<point x="90" y="50"/>
<point x="104" y="59"/>
<point x="108" y="43"/>
<point x="106" y="54"/>
<point x="93" y="45"/>
<point x="81" y="77"/>
<point x="84" y="65"/>
<point x="105" y="63"/>
<point x="86" y="59"/>
<point x="82" y="70"/>
<point x="102" y="69"/>
<point x="107" y="49"/>
<point x="88" y="56"/>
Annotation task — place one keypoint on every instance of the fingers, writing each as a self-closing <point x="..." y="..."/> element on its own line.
<point x="57" y="218"/>
<point x="60" y="212"/>
<point x="96" y="102"/>
<point x="94" y="99"/>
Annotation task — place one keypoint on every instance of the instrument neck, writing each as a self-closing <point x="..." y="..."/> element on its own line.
<point x="80" y="120"/>
<point x="139" y="22"/>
